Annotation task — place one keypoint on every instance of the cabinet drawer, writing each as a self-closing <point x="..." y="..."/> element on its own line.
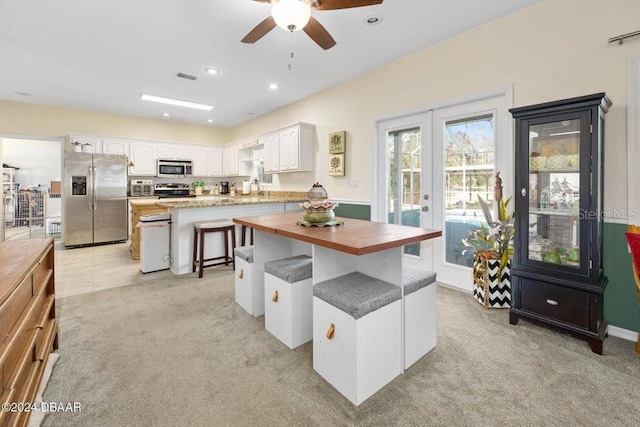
<point x="40" y="271"/>
<point x="14" y="305"/>
<point x="557" y="302"/>
<point x="22" y="336"/>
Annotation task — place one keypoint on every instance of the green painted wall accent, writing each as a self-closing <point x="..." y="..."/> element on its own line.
<point x="353" y="211"/>
<point x="620" y="298"/>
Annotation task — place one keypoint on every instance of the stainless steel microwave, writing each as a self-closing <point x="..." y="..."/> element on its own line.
<point x="174" y="168"/>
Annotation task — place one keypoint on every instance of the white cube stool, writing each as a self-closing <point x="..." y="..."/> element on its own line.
<point x="288" y="292"/>
<point x="357" y="334"/>
<point x="419" y="313"/>
<point x="246" y="293"/>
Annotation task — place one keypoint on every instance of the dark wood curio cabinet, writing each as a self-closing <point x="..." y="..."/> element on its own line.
<point x="557" y="274"/>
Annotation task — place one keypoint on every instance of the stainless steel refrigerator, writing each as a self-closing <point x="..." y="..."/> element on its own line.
<point x="94" y="199"/>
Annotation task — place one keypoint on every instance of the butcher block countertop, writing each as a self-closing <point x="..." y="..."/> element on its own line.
<point x="355" y="236"/>
<point x="220" y="200"/>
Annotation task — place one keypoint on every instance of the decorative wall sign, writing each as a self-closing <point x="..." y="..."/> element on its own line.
<point x="337" y="142"/>
<point x="336" y="164"/>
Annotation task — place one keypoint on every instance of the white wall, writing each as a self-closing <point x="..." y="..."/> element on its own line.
<point x="553" y="50"/>
<point x="39" y="160"/>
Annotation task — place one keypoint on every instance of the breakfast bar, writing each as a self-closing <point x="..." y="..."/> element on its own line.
<point x="371" y="248"/>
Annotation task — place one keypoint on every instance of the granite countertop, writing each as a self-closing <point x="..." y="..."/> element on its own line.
<point x="206" y="201"/>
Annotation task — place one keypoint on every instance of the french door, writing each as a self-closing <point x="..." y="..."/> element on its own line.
<point x="404" y="184"/>
<point x="432" y="167"/>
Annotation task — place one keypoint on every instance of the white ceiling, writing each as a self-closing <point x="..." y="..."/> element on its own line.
<point x="102" y="54"/>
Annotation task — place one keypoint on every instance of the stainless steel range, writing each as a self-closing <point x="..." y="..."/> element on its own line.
<point x="171" y="190"/>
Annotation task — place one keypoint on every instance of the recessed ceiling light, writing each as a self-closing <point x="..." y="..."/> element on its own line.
<point x="166" y="114"/>
<point x="178" y="102"/>
<point x="23" y="93"/>
<point x="273" y="86"/>
<point x="210" y="120"/>
<point x="212" y="70"/>
<point x="373" y="20"/>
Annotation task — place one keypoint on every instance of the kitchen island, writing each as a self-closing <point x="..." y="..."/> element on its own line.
<point x="185" y="211"/>
<point x="371" y="248"/>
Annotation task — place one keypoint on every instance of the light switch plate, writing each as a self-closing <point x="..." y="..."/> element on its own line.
<point x="353" y="183"/>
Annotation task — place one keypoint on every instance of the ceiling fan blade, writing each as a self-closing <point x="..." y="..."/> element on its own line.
<point x="342" y="4"/>
<point x="260" y="30"/>
<point x="319" y="34"/>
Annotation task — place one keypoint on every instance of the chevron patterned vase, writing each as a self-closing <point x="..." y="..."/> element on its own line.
<point x="489" y="289"/>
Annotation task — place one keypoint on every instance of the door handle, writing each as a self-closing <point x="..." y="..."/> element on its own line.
<point x="426" y="197"/>
<point x="95" y="187"/>
<point x="425" y="209"/>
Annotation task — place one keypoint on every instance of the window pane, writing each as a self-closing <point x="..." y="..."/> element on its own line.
<point x="469" y="173"/>
<point x="404" y="166"/>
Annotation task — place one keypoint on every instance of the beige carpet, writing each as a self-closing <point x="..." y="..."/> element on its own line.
<point x="179" y="351"/>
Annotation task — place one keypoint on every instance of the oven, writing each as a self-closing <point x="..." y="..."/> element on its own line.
<point x="174" y="168"/>
<point x="141" y="188"/>
<point x="172" y="190"/>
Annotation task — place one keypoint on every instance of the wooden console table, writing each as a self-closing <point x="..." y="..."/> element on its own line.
<point x="27" y="321"/>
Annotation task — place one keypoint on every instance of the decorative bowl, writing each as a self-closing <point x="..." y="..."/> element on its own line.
<point x="318" y="211"/>
<point x="319" y="217"/>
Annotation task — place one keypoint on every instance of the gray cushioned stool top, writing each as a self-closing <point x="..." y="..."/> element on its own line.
<point x="292" y="269"/>
<point x="244" y="252"/>
<point x="415" y="278"/>
<point x="357" y="294"/>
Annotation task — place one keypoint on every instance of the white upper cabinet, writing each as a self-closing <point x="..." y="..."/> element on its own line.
<point x="271" y="145"/>
<point x="175" y="151"/>
<point x="144" y="156"/>
<point x="115" y="146"/>
<point x="207" y="161"/>
<point x="215" y="162"/>
<point x="230" y="160"/>
<point x="95" y="143"/>
<point x="290" y="149"/>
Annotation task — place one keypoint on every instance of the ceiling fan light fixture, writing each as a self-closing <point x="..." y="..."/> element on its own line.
<point x="291" y="15"/>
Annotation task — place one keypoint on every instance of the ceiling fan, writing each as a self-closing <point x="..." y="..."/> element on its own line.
<point x="294" y="15"/>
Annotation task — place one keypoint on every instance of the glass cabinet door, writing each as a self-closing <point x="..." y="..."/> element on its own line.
<point x="554" y="193"/>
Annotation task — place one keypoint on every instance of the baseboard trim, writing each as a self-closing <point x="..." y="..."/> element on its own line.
<point x="614" y="331"/>
<point x="625" y="334"/>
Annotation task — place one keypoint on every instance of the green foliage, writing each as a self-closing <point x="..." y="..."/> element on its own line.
<point x="198" y="183"/>
<point x="497" y="239"/>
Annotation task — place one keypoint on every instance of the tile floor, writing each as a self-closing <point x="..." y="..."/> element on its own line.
<point x="93" y="268"/>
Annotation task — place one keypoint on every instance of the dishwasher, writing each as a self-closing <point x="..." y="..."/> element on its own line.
<point x="155" y="233"/>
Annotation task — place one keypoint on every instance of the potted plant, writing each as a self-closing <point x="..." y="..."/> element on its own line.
<point x="198" y="186"/>
<point x="493" y="247"/>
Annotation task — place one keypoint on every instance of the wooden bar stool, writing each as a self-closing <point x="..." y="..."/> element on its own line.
<point x="200" y="229"/>
<point x="243" y="235"/>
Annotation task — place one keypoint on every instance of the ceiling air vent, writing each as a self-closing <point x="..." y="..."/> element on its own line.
<point x="186" y="76"/>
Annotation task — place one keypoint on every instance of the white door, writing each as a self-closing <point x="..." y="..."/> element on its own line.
<point x="470" y="144"/>
<point x="403" y="183"/>
<point x="429" y="169"/>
